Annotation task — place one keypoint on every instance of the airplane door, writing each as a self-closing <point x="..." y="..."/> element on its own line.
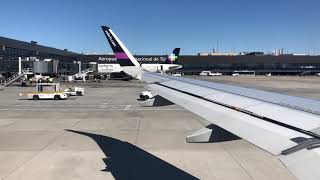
<point x="161" y="67"/>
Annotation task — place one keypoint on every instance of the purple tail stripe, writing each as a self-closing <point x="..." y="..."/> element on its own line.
<point x="121" y="55"/>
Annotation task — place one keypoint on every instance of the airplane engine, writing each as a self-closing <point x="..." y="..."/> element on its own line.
<point x="145" y="95"/>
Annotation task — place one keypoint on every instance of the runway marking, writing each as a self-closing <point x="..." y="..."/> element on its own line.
<point x="40" y="105"/>
<point x="128" y="107"/>
<point x="93" y="109"/>
<point x="74" y="106"/>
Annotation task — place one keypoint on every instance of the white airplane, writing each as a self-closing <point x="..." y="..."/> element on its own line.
<point x="286" y="126"/>
<point x="168" y="65"/>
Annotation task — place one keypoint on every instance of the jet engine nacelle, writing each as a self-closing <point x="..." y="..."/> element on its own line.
<point x="144" y="95"/>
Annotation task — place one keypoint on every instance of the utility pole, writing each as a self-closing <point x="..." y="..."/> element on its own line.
<point x="20" y="66"/>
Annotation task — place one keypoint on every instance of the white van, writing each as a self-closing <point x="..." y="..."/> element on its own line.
<point x="205" y="73"/>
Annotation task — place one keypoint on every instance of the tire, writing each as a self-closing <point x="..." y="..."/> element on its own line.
<point x="56" y="97"/>
<point x="35" y="97"/>
<point x="78" y="93"/>
<point x="23" y="84"/>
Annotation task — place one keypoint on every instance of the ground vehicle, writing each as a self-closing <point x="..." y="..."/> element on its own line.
<point x="244" y="73"/>
<point x="40" y="79"/>
<point x="83" y="75"/>
<point x="176" y="74"/>
<point x="216" y="74"/>
<point x="75" y="91"/>
<point x="205" y="73"/>
<point x="47" y="91"/>
<point x="209" y="73"/>
<point x="120" y="76"/>
<point x="65" y="78"/>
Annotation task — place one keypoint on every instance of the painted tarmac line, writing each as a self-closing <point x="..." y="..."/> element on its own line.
<point x="128" y="107"/>
<point x="49" y="105"/>
<point x="93" y="109"/>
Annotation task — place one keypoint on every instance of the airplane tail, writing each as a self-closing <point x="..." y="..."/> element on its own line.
<point x="173" y="57"/>
<point x="126" y="60"/>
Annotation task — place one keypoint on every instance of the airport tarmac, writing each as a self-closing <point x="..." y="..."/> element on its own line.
<point x="107" y="135"/>
<point x="304" y="86"/>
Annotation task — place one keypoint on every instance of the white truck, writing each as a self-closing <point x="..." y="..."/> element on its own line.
<point x="66" y="78"/>
<point x="216" y="74"/>
<point x="74" y="91"/>
<point x="40" y="79"/>
<point x="209" y="73"/>
<point x="205" y="73"/>
<point x="47" y="91"/>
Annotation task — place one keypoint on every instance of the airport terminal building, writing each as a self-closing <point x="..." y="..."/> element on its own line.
<point x="12" y="49"/>
<point x="282" y="64"/>
<point x="68" y="61"/>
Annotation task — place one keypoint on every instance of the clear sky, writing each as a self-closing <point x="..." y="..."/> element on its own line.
<point x="157" y="26"/>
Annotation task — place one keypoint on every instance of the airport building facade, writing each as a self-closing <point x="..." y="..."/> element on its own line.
<point x="283" y="64"/>
<point x="12" y="49"/>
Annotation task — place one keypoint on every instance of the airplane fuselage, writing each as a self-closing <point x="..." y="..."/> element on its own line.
<point x="108" y="68"/>
<point x="160" y="67"/>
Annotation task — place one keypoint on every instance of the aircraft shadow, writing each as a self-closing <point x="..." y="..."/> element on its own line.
<point x="126" y="161"/>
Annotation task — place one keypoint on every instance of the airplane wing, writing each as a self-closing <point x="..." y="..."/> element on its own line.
<point x="286" y="126"/>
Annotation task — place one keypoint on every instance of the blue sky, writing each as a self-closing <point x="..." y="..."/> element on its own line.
<point x="156" y="27"/>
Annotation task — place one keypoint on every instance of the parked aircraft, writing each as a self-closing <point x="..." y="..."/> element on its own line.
<point x="169" y="64"/>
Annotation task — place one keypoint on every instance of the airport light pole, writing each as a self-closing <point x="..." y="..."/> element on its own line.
<point x="20" y="66"/>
